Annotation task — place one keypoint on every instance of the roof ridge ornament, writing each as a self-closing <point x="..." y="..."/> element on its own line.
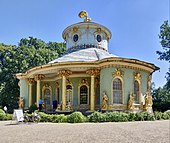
<point x="84" y="14"/>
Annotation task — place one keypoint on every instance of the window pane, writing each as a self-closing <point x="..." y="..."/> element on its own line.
<point x="117" y="91"/>
<point x="83" y="95"/>
<point x="99" y="38"/>
<point x="136" y="91"/>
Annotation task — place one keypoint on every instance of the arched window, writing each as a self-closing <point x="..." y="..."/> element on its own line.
<point x="136" y="91"/>
<point x="83" y="94"/>
<point x="117" y="91"/>
<point x="69" y="94"/>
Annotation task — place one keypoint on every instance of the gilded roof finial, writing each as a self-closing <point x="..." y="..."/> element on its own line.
<point x="83" y="14"/>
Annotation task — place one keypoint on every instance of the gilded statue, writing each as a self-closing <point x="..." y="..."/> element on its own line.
<point x="21" y="102"/>
<point x="104" y="102"/>
<point x="59" y="107"/>
<point x="84" y="14"/>
<point x="68" y="106"/>
<point x="148" y="102"/>
<point x="131" y="102"/>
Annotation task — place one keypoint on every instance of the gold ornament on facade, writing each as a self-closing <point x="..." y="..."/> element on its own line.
<point x="64" y="73"/>
<point x="57" y="84"/>
<point x="68" y="82"/>
<point x="84" y="14"/>
<point x="31" y="80"/>
<point x="39" y="77"/>
<point x="93" y="72"/>
<point x="83" y="82"/>
<point x="118" y="73"/>
<point x="75" y="29"/>
<point x="46" y="84"/>
<point x="137" y="76"/>
<point x="99" y="30"/>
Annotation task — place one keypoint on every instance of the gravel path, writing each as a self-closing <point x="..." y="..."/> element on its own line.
<point x="128" y="132"/>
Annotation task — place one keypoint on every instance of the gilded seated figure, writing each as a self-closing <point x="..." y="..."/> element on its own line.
<point x="131" y="102"/>
<point x="104" y="102"/>
<point x="68" y="106"/>
<point x="59" y="107"/>
<point x="21" y="102"/>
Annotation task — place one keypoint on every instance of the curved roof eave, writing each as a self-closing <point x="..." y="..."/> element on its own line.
<point x="116" y="61"/>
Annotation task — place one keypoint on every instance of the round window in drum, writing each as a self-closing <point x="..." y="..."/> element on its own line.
<point x="99" y="38"/>
<point x="75" y="38"/>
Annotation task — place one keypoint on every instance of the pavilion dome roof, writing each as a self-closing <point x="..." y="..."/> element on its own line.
<point x="90" y="54"/>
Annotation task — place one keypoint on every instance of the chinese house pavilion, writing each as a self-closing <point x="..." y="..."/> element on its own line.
<point x="88" y="74"/>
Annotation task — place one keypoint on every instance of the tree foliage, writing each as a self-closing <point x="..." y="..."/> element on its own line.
<point x="29" y="53"/>
<point x="164" y="36"/>
<point x="161" y="98"/>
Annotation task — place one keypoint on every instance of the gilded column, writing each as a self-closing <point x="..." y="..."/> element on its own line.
<point x="38" y="78"/>
<point x="31" y="81"/>
<point x="63" y="74"/>
<point x="93" y="73"/>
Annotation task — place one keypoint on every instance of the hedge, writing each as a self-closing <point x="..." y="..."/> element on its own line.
<point x="78" y="117"/>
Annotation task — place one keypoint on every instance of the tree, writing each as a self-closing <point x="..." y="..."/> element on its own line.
<point x="161" y="96"/>
<point x="161" y="99"/>
<point x="165" y="42"/>
<point x="29" y="53"/>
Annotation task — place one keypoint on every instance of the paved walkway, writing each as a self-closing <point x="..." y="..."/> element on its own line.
<point x="129" y="132"/>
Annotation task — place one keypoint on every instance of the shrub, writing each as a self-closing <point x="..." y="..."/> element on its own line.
<point x="158" y="115"/>
<point x="8" y="117"/>
<point x="44" y="117"/>
<point x="116" y="117"/>
<point x="168" y="112"/>
<point x="97" y="117"/>
<point x="2" y="116"/>
<point x="131" y="116"/>
<point x="139" y="117"/>
<point x="165" y="116"/>
<point x="76" y="117"/>
<point x="59" y="118"/>
<point x="2" y="111"/>
<point x="123" y="117"/>
<point x="147" y="116"/>
<point x="150" y="117"/>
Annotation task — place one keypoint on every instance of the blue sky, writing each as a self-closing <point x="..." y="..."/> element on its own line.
<point x="134" y="24"/>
